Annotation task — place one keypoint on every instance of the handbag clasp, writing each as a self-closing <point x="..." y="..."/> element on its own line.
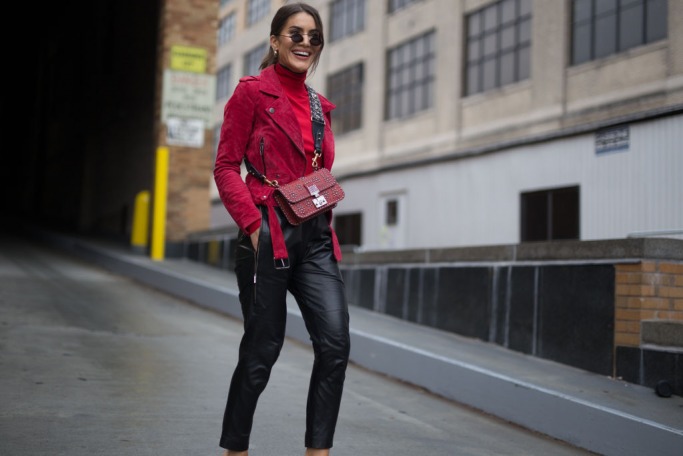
<point x="318" y="199"/>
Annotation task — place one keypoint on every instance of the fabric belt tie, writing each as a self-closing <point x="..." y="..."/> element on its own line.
<point x="277" y="238"/>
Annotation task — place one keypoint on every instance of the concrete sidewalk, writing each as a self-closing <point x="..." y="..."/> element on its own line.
<point x="593" y="412"/>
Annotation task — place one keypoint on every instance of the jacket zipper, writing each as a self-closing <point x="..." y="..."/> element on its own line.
<point x="262" y="146"/>
<point x="256" y="261"/>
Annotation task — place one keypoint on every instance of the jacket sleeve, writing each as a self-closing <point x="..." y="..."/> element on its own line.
<point x="238" y="120"/>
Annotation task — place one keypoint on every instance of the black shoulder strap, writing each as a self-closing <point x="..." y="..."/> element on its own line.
<point x="317" y="120"/>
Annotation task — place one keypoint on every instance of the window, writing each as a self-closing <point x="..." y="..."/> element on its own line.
<point x="391" y="213"/>
<point x="257" y="10"/>
<point x="226" y="29"/>
<point x="550" y="214"/>
<point x="605" y="27"/>
<point x="223" y="82"/>
<point x="395" y="5"/>
<point x="348" y="17"/>
<point x="348" y="228"/>
<point x="216" y="140"/>
<point x="253" y="58"/>
<point x="410" y="77"/>
<point x="345" y="89"/>
<point x="498" y="45"/>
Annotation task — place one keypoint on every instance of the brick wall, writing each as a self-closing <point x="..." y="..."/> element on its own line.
<point x="187" y="23"/>
<point x="649" y="290"/>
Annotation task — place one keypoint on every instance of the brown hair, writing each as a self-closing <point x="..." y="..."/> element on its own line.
<point x="278" y="23"/>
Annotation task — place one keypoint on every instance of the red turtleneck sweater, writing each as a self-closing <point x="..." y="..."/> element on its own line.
<point x="295" y="89"/>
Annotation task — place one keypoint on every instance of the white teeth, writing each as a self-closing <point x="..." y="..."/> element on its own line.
<point x="304" y="54"/>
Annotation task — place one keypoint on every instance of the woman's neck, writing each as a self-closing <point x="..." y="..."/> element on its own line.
<point x="289" y="78"/>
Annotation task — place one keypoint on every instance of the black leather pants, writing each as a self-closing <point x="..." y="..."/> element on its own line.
<point x="314" y="280"/>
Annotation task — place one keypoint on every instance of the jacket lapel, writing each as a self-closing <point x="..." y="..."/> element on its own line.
<point x="280" y="109"/>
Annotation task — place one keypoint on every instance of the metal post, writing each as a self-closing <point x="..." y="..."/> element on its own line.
<point x="139" y="238"/>
<point x="160" y="194"/>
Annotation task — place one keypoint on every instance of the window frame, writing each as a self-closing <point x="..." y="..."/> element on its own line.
<point x="347" y="17"/>
<point x="226" y="28"/>
<point x="585" y="28"/>
<point x="497" y="46"/>
<point x="254" y="56"/>
<point x="397" y="5"/>
<point x="257" y="10"/>
<point x="349" y="229"/>
<point x="223" y="78"/>
<point x="406" y="93"/>
<point x="547" y="218"/>
<point x="345" y="90"/>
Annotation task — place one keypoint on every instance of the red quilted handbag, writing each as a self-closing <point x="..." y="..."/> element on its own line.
<point x="309" y="196"/>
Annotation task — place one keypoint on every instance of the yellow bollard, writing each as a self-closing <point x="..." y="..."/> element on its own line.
<point x="139" y="238"/>
<point x="213" y="252"/>
<point x="160" y="191"/>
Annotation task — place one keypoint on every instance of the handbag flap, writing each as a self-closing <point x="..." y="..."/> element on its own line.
<point x="306" y="187"/>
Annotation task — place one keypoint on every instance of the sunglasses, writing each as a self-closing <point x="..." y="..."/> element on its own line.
<point x="313" y="38"/>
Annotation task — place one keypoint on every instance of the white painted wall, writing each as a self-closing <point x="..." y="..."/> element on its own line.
<point x="476" y="201"/>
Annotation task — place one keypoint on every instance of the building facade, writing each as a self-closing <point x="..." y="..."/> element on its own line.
<point x="480" y="122"/>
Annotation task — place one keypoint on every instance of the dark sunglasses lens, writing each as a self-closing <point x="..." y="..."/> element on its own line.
<point x="314" y="39"/>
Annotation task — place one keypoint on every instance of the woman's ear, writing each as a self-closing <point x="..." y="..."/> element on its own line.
<point x="274" y="42"/>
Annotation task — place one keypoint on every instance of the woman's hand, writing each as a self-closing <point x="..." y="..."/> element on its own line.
<point x="254" y="238"/>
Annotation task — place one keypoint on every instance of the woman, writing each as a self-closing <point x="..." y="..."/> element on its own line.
<point x="268" y="121"/>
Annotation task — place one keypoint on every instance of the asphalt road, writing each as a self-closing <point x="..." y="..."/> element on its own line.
<point x="92" y="363"/>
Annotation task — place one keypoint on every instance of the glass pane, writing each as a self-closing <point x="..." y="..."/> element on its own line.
<point x="581" y="44"/>
<point x="430" y="67"/>
<point x="656" y="14"/>
<point x="605" y="7"/>
<point x="524" y="63"/>
<point x="404" y="103"/>
<point x="419" y="99"/>
<point x="393" y="81"/>
<point x="507" y="11"/>
<point x="507" y="37"/>
<point x="391" y="108"/>
<point x="490" y="45"/>
<point x="419" y="47"/>
<point x="525" y="31"/>
<point x="473" y="50"/>
<point x="429" y="43"/>
<point x="420" y="71"/>
<point x="489" y="75"/>
<point x="473" y="24"/>
<point x="507" y="68"/>
<point x="429" y="89"/>
<point x="582" y="10"/>
<point x="605" y="36"/>
<point x="405" y="54"/>
<point x="490" y="17"/>
<point x="631" y="27"/>
<point x="524" y="7"/>
<point x="565" y="213"/>
<point x="534" y="216"/>
<point x="360" y="15"/>
<point x="473" y="80"/>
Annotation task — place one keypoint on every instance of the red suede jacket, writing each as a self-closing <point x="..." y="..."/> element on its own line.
<point x="259" y="122"/>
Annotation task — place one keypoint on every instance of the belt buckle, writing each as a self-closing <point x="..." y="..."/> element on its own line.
<point x="281" y="263"/>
